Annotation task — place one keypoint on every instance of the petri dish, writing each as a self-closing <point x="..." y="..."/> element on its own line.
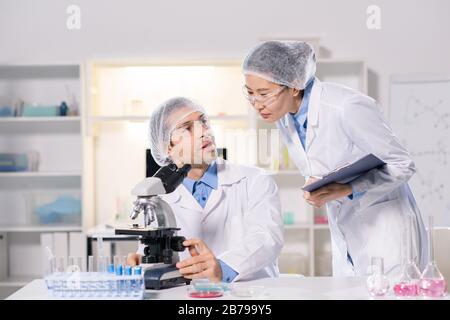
<point x="203" y="288"/>
<point x="247" y="291"/>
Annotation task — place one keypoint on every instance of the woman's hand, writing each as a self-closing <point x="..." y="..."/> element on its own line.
<point x="203" y="263"/>
<point x="133" y="259"/>
<point x="327" y="193"/>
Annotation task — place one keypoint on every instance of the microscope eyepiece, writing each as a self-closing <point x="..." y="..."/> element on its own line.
<point x="171" y="176"/>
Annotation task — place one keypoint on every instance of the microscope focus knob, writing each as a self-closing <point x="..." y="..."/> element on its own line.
<point x="176" y="243"/>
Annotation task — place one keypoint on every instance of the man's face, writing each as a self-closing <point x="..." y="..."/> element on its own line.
<point x="192" y="141"/>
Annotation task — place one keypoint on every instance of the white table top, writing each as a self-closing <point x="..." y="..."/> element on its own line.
<point x="286" y="288"/>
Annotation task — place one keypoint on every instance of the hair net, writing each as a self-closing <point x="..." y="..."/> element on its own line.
<point x="288" y="63"/>
<point x="162" y="122"/>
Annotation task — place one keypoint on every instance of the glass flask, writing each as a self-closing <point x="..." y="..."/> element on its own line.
<point x="377" y="283"/>
<point x="432" y="282"/>
<point x="408" y="283"/>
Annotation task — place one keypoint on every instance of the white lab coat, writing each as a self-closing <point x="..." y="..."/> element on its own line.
<point x="343" y="126"/>
<point x="241" y="222"/>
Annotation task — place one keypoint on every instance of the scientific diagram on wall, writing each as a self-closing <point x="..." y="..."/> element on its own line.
<point x="419" y="113"/>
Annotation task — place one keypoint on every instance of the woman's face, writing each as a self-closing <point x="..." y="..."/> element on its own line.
<point x="271" y="100"/>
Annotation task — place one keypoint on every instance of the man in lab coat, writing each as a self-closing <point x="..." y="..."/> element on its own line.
<point x="230" y="214"/>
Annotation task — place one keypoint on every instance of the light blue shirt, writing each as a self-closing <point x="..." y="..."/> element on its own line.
<point x="200" y="190"/>
<point x="301" y="117"/>
<point x="301" y="123"/>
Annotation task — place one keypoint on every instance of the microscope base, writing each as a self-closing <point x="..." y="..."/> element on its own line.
<point x="162" y="276"/>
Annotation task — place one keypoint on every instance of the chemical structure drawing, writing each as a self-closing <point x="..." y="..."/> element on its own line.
<point x="416" y="109"/>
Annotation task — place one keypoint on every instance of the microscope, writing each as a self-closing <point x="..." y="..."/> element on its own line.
<point x="161" y="241"/>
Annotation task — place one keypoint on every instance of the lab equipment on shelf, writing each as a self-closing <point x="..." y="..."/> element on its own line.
<point x="6" y="111"/>
<point x="65" y="209"/>
<point x="40" y="111"/>
<point x="18" y="162"/>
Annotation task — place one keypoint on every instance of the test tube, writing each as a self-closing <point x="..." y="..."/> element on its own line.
<point x="117" y="265"/>
<point x="101" y="264"/>
<point x="100" y="252"/>
<point x="110" y="266"/>
<point x="90" y="267"/>
<point x="137" y="270"/>
<point x="74" y="264"/>
<point x="91" y="286"/>
<point x="102" y="284"/>
<point x="50" y="266"/>
<point x="138" y="284"/>
<point x="60" y="284"/>
<point x="122" y="281"/>
<point x="79" y="263"/>
<point x="128" y="270"/>
<point x="50" y="273"/>
<point x="129" y="284"/>
<point x="61" y="264"/>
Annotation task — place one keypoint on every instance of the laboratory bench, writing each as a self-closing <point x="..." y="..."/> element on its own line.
<point x="285" y="288"/>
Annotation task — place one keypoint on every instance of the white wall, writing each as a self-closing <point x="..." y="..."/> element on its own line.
<point x="414" y="35"/>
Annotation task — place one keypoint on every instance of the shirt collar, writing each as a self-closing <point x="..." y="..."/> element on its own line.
<point x="209" y="178"/>
<point x="302" y="112"/>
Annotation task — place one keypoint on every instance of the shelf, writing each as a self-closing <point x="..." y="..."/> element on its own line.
<point x="291" y="249"/>
<point x="16" y="281"/>
<point x="38" y="174"/>
<point x="321" y="226"/>
<point x="340" y="61"/>
<point x="228" y="117"/>
<point x="284" y="172"/>
<point x="39" y="228"/>
<point x="39" y="119"/>
<point x="121" y="118"/>
<point x="146" y="118"/>
<point x="307" y="226"/>
<point x="33" y="125"/>
<point x="298" y="226"/>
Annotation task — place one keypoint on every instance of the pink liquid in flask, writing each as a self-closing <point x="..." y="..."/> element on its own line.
<point x="433" y="287"/>
<point x="406" y="289"/>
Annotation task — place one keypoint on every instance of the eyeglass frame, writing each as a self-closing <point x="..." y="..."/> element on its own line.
<point x="204" y="120"/>
<point x="253" y="98"/>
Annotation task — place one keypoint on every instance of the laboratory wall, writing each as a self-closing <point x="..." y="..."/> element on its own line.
<point x="35" y="31"/>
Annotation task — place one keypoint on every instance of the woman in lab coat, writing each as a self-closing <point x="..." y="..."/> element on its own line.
<point x="327" y="125"/>
<point x="235" y="232"/>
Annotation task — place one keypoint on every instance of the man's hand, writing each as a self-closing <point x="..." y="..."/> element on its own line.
<point x="203" y="263"/>
<point x="133" y="259"/>
<point x="327" y="193"/>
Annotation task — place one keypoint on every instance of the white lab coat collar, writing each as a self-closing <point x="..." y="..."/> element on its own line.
<point x="287" y="126"/>
<point x="313" y="112"/>
<point x="313" y="107"/>
<point x="226" y="174"/>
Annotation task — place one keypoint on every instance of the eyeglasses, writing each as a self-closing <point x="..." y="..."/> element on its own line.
<point x="189" y="126"/>
<point x="261" y="98"/>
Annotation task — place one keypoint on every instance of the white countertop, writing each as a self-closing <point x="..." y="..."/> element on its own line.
<point x="286" y="288"/>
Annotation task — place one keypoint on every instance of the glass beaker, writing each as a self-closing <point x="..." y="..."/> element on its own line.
<point x="377" y="283"/>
